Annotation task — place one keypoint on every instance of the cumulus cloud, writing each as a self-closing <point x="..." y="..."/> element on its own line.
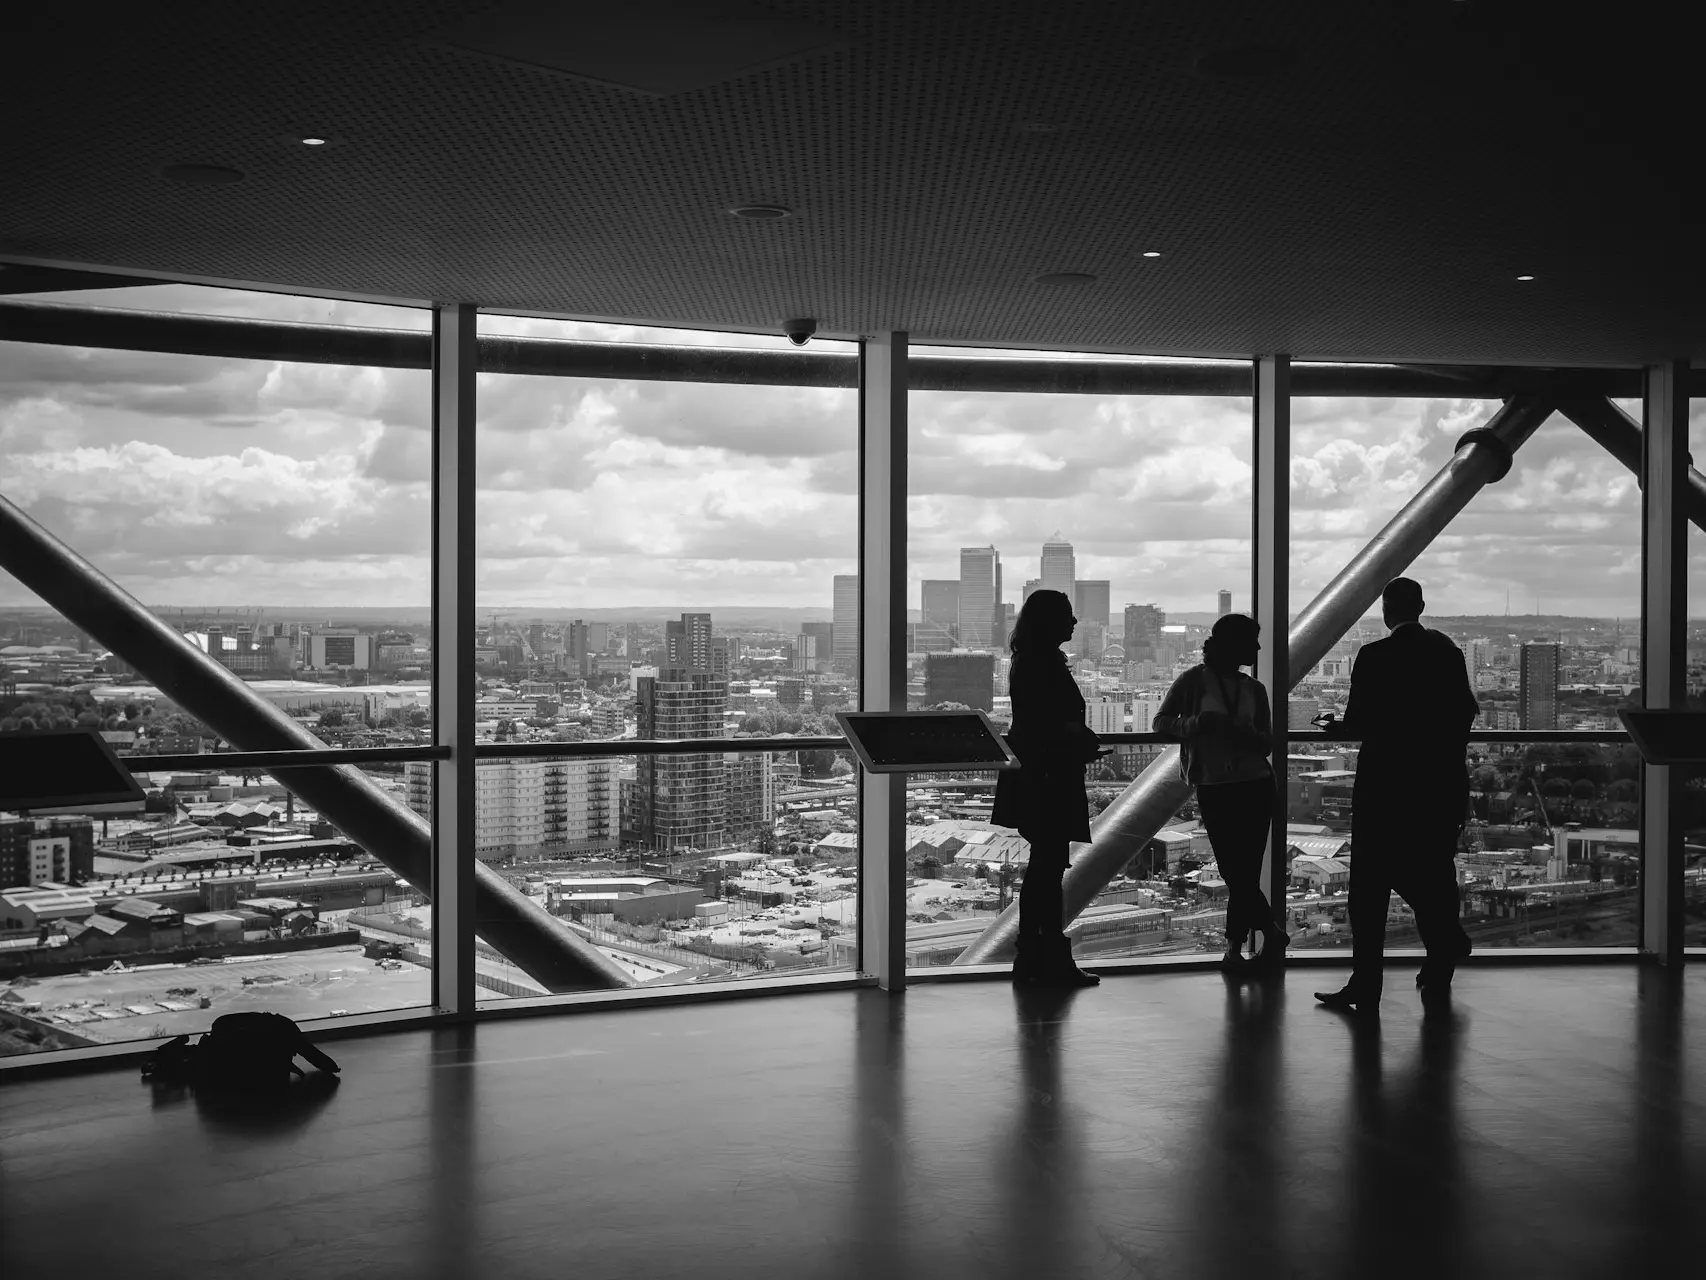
<point x="204" y="481"/>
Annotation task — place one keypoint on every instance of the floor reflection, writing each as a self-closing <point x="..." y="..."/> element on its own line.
<point x="882" y="1172"/>
<point x="1664" y="1204"/>
<point x="1041" y="1171"/>
<point x="452" y="1084"/>
<point x="1243" y="1143"/>
<point x="1403" y="1157"/>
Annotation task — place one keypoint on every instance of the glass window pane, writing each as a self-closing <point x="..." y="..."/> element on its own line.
<point x="671" y="560"/>
<point x="777" y="898"/>
<point x="1537" y="580"/>
<point x="1138" y="508"/>
<point x="224" y="895"/>
<point x="273" y="512"/>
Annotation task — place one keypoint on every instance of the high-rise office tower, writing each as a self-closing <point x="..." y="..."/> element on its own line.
<point x="687" y="644"/>
<point x="1032" y="585"/>
<point x="939" y="616"/>
<point x="805" y="652"/>
<point x="1225" y="603"/>
<point x="926" y="639"/>
<point x="1091" y="639"/>
<point x="1090" y="600"/>
<point x="940" y="604"/>
<point x="965" y="678"/>
<point x="577" y="642"/>
<point x="845" y="642"/>
<point x="819" y="638"/>
<point x="1143" y="623"/>
<point x="1540" y="685"/>
<point x="980" y="597"/>
<point x="1059" y="566"/>
<point x="680" y="801"/>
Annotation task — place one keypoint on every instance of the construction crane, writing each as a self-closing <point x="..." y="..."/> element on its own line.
<point x="1539" y="801"/>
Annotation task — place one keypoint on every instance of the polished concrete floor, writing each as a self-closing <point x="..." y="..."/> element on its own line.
<point x="1553" y="1125"/>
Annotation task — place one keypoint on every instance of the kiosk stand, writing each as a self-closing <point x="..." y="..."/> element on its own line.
<point x="1667" y="737"/>
<point x="59" y="769"/>
<point x="63" y="771"/>
<point x="902" y="742"/>
<point x="925" y="741"/>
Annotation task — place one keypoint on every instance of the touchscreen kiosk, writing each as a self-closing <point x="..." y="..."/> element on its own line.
<point x="62" y="768"/>
<point x="925" y="741"/>
<point x="1668" y="737"/>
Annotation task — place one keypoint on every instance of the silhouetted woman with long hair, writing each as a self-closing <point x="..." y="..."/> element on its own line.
<point x="1045" y="798"/>
<point x="1221" y="716"/>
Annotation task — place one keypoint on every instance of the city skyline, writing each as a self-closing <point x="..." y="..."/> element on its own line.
<point x="199" y="480"/>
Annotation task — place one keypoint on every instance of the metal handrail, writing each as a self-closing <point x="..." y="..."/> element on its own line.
<point x="654" y="747"/>
<point x="1493" y="735"/>
<point x="270" y="761"/>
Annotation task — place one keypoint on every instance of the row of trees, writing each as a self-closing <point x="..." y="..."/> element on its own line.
<point x="397" y="718"/>
<point x="77" y="709"/>
<point x="802" y="724"/>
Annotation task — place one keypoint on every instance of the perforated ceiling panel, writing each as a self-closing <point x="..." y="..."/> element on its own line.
<point x="1375" y="199"/>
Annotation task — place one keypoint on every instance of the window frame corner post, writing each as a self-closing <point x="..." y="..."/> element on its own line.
<point x="1664" y="614"/>
<point x="882" y="649"/>
<point x="455" y="365"/>
<point x="1270" y="562"/>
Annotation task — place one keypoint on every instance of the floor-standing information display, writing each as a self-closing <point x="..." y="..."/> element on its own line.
<point x="1668" y="737"/>
<point x="925" y="741"/>
<point x="61" y="769"/>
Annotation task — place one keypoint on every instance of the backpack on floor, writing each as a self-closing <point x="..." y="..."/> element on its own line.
<point x="242" y="1052"/>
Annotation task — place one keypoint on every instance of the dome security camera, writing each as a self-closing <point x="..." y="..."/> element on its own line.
<point x="799" y="331"/>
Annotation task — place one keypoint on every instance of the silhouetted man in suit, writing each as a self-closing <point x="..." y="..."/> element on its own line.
<point x="1411" y="705"/>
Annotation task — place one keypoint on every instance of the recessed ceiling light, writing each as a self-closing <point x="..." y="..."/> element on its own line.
<point x="314" y="142"/>
<point x="1525" y="278"/>
<point x="1066" y="277"/>
<point x="1247" y="61"/>
<point x="762" y="212"/>
<point x="202" y="175"/>
<point x="1152" y="253"/>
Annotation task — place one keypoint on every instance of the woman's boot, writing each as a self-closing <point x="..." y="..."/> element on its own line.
<point x="1271" y="957"/>
<point x="1060" y="969"/>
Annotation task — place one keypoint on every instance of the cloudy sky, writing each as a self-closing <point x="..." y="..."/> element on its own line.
<point x="198" y="481"/>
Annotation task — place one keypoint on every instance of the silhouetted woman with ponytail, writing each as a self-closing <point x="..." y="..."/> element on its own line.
<point x="1045" y="798"/>
<point x="1221" y="716"/>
